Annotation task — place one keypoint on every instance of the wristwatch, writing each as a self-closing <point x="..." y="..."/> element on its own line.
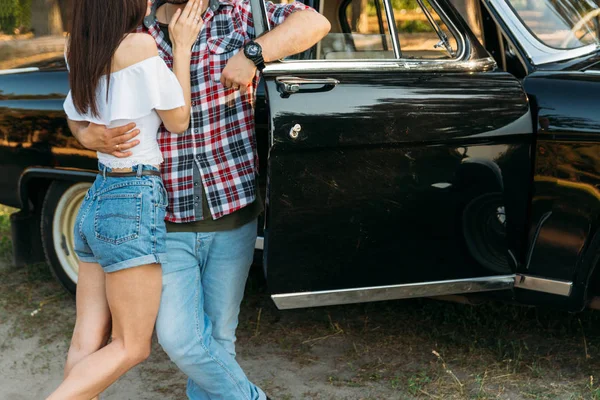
<point x="253" y="52"/>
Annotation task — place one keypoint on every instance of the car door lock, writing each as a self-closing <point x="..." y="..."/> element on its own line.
<point x="295" y="131"/>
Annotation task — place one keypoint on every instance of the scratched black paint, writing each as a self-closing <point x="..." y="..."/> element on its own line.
<point x="373" y="190"/>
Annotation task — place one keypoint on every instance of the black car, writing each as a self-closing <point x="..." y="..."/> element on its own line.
<point x="454" y="151"/>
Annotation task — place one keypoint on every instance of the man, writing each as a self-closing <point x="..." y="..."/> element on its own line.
<point x="210" y="175"/>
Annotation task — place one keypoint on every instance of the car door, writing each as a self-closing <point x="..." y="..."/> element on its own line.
<point x="393" y="173"/>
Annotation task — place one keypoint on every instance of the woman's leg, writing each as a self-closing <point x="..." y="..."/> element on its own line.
<point x="92" y="326"/>
<point x="133" y="296"/>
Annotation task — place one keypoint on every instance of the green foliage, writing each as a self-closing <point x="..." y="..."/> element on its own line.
<point x="14" y="15"/>
<point x="405" y="4"/>
<point x="414" y="26"/>
<point x="5" y="242"/>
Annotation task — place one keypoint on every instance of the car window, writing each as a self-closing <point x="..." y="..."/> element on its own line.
<point x="417" y="32"/>
<point x="562" y="24"/>
<point x="360" y="30"/>
<point x="32" y="36"/>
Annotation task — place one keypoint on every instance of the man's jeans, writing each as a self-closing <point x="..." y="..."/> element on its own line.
<point x="203" y="286"/>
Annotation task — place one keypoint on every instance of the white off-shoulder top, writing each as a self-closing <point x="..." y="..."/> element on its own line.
<point x="134" y="95"/>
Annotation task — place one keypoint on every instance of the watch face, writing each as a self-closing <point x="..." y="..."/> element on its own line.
<point x="252" y="50"/>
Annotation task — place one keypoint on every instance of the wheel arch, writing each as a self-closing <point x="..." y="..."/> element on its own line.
<point x="25" y="224"/>
<point x="35" y="178"/>
<point x="484" y="173"/>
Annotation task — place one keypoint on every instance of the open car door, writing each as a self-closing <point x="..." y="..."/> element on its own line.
<point x="395" y="176"/>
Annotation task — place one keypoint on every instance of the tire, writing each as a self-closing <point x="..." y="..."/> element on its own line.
<point x="60" y="208"/>
<point x="485" y="232"/>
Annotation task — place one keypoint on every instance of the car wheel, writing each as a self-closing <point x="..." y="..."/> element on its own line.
<point x="59" y="211"/>
<point x="484" y="229"/>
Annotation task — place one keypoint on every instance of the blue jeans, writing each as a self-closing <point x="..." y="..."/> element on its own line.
<point x="203" y="286"/>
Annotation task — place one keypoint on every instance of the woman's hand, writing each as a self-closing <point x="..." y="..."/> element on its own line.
<point x="185" y="25"/>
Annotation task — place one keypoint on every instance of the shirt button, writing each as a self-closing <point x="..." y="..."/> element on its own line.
<point x="196" y="204"/>
<point x="193" y="103"/>
<point x="195" y="130"/>
<point x="195" y="183"/>
<point x="197" y="198"/>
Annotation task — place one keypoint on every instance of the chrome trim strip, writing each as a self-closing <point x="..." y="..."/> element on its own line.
<point x="260" y="243"/>
<point x="552" y="286"/>
<point x="18" y="70"/>
<point x="389" y="15"/>
<point x="317" y="66"/>
<point x="379" y="293"/>
<point x="537" y="51"/>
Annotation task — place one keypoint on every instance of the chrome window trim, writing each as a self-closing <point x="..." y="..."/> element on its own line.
<point x="461" y="41"/>
<point x="461" y="57"/>
<point x="537" y="52"/>
<point x="18" y="70"/>
<point x="392" y="28"/>
<point x="333" y="66"/>
<point x="392" y="292"/>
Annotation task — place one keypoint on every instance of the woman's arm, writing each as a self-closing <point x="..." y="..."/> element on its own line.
<point x="183" y="30"/>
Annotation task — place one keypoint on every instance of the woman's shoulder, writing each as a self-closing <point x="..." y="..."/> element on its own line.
<point x="135" y="48"/>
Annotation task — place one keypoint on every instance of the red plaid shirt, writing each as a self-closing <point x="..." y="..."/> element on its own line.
<point x="218" y="150"/>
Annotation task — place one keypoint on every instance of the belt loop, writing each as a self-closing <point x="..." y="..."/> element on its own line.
<point x="104" y="171"/>
<point x="140" y="169"/>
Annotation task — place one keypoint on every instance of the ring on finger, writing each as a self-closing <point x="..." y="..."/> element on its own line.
<point x="117" y="146"/>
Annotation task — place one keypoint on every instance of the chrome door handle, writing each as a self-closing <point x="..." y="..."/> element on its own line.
<point x="290" y="84"/>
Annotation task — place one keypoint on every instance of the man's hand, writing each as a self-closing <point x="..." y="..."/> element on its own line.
<point x="239" y="72"/>
<point x="115" y="141"/>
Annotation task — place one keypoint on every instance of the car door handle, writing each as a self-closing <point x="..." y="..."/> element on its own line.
<point x="288" y="85"/>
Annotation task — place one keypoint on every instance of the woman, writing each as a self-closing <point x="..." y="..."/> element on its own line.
<point x="117" y="77"/>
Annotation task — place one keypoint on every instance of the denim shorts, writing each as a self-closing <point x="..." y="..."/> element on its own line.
<point x="121" y="221"/>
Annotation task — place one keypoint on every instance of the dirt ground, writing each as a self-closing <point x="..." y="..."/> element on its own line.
<point x="411" y="349"/>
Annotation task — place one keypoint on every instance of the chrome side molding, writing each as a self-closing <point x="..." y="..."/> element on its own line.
<point x="18" y="70"/>
<point x="379" y="293"/>
<point x="528" y="282"/>
<point x="288" y="301"/>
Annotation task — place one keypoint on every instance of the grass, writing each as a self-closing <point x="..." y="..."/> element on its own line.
<point x="5" y="243"/>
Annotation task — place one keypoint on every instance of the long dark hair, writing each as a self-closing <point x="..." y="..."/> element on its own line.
<point x="97" y="29"/>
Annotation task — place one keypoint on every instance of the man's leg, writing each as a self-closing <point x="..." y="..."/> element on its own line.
<point x="224" y="276"/>
<point x="185" y="331"/>
<point x="224" y="273"/>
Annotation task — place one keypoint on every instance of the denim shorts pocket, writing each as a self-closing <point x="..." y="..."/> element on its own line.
<point x="118" y="216"/>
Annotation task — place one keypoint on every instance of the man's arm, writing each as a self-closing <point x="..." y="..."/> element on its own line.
<point x="290" y="37"/>
<point x="115" y="141"/>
